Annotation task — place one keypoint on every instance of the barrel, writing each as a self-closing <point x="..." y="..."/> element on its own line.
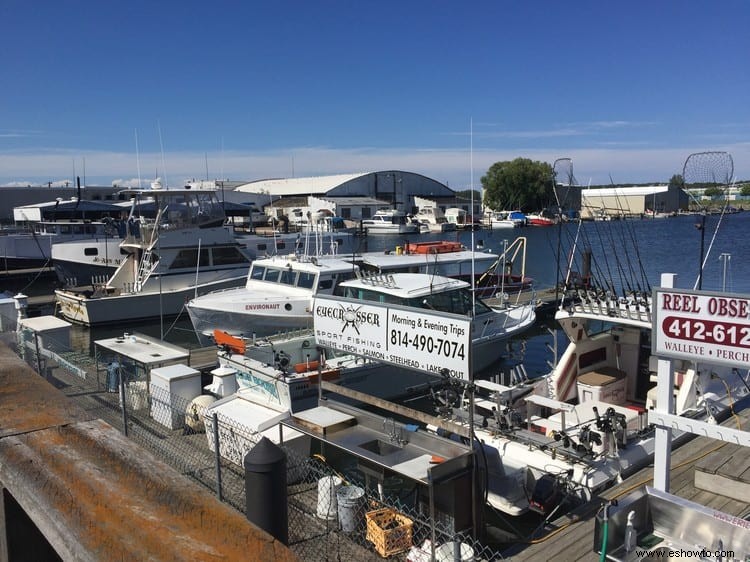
<point x="351" y="506"/>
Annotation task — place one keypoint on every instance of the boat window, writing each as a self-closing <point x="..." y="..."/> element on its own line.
<point x="65" y="229"/>
<point x="306" y="280"/>
<point x="257" y="272"/>
<point x="280" y="245"/>
<point x="288" y="277"/>
<point x="228" y="255"/>
<point x="91" y="251"/>
<point x="594" y="327"/>
<point x="272" y="275"/>
<point x="262" y="247"/>
<point x="189" y="258"/>
<point x="325" y="284"/>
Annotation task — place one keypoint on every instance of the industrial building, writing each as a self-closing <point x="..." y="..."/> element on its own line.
<point x="619" y="202"/>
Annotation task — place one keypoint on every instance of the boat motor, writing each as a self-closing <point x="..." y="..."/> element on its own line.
<point x="546" y="494"/>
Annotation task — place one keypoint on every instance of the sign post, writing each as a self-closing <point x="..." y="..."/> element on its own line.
<point x="699" y="326"/>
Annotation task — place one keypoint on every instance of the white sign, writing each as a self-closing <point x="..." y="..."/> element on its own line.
<point x="702" y="326"/>
<point x="425" y="341"/>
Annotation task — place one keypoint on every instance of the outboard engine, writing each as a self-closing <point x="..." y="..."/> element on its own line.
<point x="546" y="494"/>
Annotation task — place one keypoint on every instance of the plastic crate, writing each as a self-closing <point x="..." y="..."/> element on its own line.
<point x="389" y="531"/>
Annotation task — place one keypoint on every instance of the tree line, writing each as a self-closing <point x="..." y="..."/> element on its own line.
<point x="528" y="185"/>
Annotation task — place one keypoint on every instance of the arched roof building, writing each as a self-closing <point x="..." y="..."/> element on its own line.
<point x="394" y="188"/>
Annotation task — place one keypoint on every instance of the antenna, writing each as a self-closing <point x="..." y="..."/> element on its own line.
<point x="137" y="158"/>
<point x="471" y="188"/>
<point x="163" y="165"/>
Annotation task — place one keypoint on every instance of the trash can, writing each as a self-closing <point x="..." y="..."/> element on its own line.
<point x="351" y="507"/>
<point x="327" y="506"/>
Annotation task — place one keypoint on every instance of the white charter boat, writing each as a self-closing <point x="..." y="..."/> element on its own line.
<point x="277" y="296"/>
<point x="390" y="221"/>
<point x="181" y="250"/>
<point x="489" y="325"/>
<point x="279" y="290"/>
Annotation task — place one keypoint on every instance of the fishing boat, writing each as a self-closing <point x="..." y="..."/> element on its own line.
<point x="179" y="250"/>
<point x="39" y="226"/>
<point x="420" y="291"/>
<point x="493" y="274"/>
<point x="279" y="289"/>
<point x="390" y="221"/>
<point x="582" y="427"/>
<point x="276" y="296"/>
<point x="279" y="376"/>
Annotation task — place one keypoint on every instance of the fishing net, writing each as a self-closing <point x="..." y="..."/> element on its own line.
<point x="708" y="169"/>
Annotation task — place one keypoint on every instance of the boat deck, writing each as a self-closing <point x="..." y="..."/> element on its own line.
<point x="571" y="537"/>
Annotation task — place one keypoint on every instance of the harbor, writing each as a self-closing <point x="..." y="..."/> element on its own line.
<point x="451" y="389"/>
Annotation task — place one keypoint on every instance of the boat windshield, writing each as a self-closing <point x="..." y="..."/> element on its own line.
<point x="458" y="301"/>
<point x="283" y="276"/>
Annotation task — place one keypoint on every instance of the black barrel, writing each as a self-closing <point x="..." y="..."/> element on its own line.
<point x="265" y="489"/>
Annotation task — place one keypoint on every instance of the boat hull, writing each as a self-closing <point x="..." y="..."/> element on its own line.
<point x="88" y="310"/>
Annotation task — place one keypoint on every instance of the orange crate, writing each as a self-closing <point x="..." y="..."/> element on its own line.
<point x="389" y="531"/>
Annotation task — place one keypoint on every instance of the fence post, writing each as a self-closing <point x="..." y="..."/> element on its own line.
<point x="38" y="355"/>
<point x="217" y="452"/>
<point x="124" y="402"/>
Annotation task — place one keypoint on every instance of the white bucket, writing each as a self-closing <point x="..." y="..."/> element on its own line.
<point x="327" y="505"/>
<point x="445" y="552"/>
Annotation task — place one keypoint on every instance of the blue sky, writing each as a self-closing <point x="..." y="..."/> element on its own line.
<point x="302" y="88"/>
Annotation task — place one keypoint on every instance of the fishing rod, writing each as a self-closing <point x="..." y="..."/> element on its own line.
<point x="629" y="228"/>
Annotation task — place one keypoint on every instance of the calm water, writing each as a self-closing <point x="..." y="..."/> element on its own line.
<point x="664" y="246"/>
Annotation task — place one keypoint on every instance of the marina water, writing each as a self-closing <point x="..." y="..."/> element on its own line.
<point x="668" y="245"/>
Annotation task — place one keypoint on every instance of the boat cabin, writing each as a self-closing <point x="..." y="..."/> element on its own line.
<point x="406" y="289"/>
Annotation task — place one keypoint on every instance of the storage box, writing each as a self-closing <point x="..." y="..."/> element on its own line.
<point x="172" y="389"/>
<point x="389" y="531"/>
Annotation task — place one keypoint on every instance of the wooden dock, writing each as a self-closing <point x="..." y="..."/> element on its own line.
<point x="571" y="537"/>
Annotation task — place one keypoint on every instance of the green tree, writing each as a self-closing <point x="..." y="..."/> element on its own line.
<point x="745" y="190"/>
<point x="713" y="191"/>
<point x="677" y="180"/>
<point x="519" y="184"/>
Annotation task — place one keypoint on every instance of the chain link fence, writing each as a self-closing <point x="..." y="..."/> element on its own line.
<point x="331" y="515"/>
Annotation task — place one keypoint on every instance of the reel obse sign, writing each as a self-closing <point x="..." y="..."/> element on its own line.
<point x="702" y="326"/>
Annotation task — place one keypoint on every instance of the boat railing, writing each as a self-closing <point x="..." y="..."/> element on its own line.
<point x="626" y="308"/>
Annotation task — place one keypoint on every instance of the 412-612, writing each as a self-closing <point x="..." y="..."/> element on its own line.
<point x="707" y="331"/>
